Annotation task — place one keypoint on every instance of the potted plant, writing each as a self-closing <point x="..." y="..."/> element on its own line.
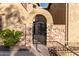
<point x="10" y="37"/>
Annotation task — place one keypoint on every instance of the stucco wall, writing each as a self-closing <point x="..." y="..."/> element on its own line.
<point x="73" y="19"/>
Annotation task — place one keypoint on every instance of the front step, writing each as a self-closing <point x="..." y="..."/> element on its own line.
<point x="40" y="50"/>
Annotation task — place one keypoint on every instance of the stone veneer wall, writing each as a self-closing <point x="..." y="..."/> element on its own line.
<point x="54" y="33"/>
<point x="27" y="31"/>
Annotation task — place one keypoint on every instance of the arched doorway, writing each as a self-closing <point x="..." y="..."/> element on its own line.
<point x="40" y="30"/>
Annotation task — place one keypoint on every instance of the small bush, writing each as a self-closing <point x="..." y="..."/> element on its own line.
<point x="10" y="37"/>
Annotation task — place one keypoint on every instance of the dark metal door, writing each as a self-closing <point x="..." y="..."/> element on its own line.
<point x="39" y="30"/>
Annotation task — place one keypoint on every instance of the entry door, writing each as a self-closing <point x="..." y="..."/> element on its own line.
<point x="39" y="30"/>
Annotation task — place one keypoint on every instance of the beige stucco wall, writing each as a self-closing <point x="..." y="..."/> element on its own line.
<point x="73" y="18"/>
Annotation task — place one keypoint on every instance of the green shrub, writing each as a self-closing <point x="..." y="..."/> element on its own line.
<point x="10" y="37"/>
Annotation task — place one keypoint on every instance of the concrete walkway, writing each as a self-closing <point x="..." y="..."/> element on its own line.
<point x="22" y="52"/>
<point x="40" y="51"/>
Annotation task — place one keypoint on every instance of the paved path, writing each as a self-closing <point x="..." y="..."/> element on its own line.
<point x="41" y="50"/>
<point x="22" y="52"/>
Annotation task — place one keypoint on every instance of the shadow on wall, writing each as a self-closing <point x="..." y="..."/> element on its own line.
<point x="58" y="11"/>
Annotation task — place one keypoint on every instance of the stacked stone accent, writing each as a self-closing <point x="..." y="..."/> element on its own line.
<point x="55" y="33"/>
<point x="29" y="35"/>
<point x="27" y="32"/>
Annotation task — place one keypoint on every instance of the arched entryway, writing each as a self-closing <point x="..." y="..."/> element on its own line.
<point x="40" y="30"/>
